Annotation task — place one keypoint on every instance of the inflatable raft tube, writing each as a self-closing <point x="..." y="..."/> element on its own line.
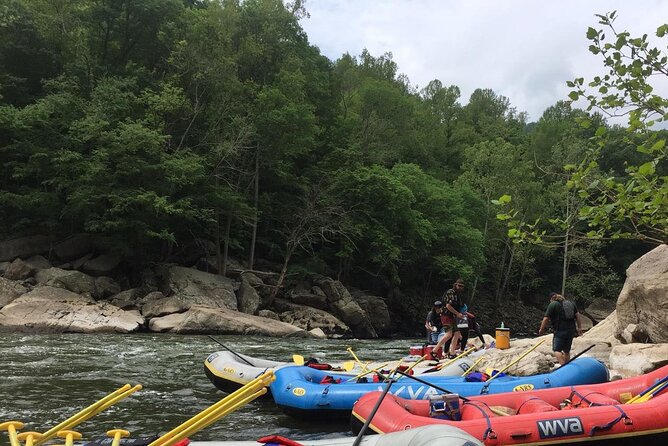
<point x="441" y="435"/>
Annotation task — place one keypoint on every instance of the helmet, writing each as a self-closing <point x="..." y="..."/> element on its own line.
<point x="438" y="303"/>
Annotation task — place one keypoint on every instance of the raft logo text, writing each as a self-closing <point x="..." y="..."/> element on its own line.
<point x="560" y="427"/>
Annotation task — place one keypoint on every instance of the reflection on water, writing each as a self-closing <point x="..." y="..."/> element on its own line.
<point x="47" y="378"/>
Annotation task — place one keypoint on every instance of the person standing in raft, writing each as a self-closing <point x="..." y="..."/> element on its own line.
<point x="433" y="323"/>
<point x="453" y="301"/>
<point x="566" y="324"/>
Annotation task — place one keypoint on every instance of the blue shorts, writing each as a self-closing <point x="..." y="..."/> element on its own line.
<point x="435" y="336"/>
<point x="562" y="341"/>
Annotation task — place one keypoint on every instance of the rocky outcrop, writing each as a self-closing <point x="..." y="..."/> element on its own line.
<point x="18" y="270"/>
<point x="102" y="265"/>
<point x="376" y="309"/>
<point x="195" y="287"/>
<point x="24" y="247"/>
<point x="642" y="306"/>
<point x="49" y="309"/>
<point x="10" y="290"/>
<point x="74" y="281"/>
<point x="309" y="318"/>
<point x="341" y="304"/>
<point x="248" y="299"/>
<point x="73" y="248"/>
<point x="157" y="305"/>
<point x="200" y="319"/>
<point x="637" y="359"/>
<point x="599" y="309"/>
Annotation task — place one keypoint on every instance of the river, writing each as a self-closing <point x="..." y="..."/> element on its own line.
<point x="47" y="378"/>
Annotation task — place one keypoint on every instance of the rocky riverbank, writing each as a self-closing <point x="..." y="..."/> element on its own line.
<point x="73" y="286"/>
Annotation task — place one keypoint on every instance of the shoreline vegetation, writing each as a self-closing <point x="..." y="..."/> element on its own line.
<point x="147" y="144"/>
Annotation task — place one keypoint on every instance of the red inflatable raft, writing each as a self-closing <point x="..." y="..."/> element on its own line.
<point x="573" y="415"/>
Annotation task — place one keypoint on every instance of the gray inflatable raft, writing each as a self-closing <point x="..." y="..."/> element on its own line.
<point x="432" y="435"/>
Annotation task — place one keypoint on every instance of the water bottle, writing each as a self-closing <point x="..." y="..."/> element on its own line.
<point x="502" y="326"/>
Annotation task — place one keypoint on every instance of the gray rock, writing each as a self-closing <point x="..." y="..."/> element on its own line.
<point x="247" y="298"/>
<point x="157" y="305"/>
<point x="599" y="309"/>
<point x="18" y="270"/>
<point x="106" y="286"/>
<point x="73" y="247"/>
<point x="195" y="287"/>
<point x="311" y="300"/>
<point x="268" y="314"/>
<point x="74" y="281"/>
<point x="309" y="318"/>
<point x="643" y="300"/>
<point x="3" y="267"/>
<point x="318" y="333"/>
<point x="79" y="263"/>
<point x="102" y="265"/>
<point x="24" y="247"/>
<point x="199" y="319"/>
<point x="638" y="359"/>
<point x="376" y="309"/>
<point x="10" y="290"/>
<point x="49" y="309"/>
<point x="341" y="304"/>
<point x="38" y="262"/>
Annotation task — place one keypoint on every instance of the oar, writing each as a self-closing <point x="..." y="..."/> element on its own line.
<point x="445" y="364"/>
<point x="579" y="354"/>
<point x="441" y="389"/>
<point x="473" y="366"/>
<point x="655" y="391"/>
<point x="116" y="435"/>
<point x="298" y="359"/>
<point x="232" y="351"/>
<point x="514" y="362"/>
<point x="367" y="422"/>
<point x="350" y="349"/>
<point x="348" y="365"/>
<point x="245" y="394"/>
<point x="89" y="412"/>
<point x="29" y="437"/>
<point x="648" y="390"/>
<point x="367" y="372"/>
<point x="11" y="427"/>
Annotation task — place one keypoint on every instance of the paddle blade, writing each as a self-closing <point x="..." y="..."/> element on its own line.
<point x="348" y="365"/>
<point x="298" y="359"/>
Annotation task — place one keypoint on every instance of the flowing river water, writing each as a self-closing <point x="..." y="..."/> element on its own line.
<point x="44" y="379"/>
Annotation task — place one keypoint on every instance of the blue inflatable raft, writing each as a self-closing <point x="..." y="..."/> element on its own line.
<point x="306" y="392"/>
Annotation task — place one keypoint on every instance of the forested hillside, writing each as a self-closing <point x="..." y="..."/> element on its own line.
<point x="157" y="123"/>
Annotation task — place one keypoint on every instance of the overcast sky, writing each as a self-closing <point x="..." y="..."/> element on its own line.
<point x="525" y="50"/>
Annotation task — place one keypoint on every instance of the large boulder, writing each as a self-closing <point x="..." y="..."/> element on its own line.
<point x="156" y="305"/>
<point x="309" y="318"/>
<point x="74" y="281"/>
<point x="195" y="287"/>
<point x="599" y="309"/>
<point x="19" y="270"/>
<point x="376" y="309"/>
<point x="73" y="247"/>
<point x="199" y="319"/>
<point x="637" y="359"/>
<point x="10" y="290"/>
<point x="102" y="265"/>
<point x="248" y="299"/>
<point x="49" y="309"/>
<point x="24" y="247"/>
<point x="309" y="299"/>
<point x="643" y="301"/>
<point x="342" y="305"/>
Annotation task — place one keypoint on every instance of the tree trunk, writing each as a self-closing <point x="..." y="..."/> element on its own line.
<point x="508" y="271"/>
<point x="564" y="270"/>
<point x="251" y="259"/>
<point x="226" y="244"/>
<point x="284" y="270"/>
<point x="484" y="243"/>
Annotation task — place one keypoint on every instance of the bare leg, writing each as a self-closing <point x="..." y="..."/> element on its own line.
<point x="455" y="339"/>
<point x="443" y="340"/>
<point x="561" y="357"/>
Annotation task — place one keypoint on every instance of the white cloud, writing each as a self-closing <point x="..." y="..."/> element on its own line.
<point x="523" y="49"/>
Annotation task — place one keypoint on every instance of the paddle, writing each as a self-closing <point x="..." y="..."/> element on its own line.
<point x="298" y="359"/>
<point x="445" y="364"/>
<point x="441" y="389"/>
<point x="578" y="355"/>
<point x="473" y="366"/>
<point x="367" y="422"/>
<point x="350" y="349"/>
<point x="648" y="390"/>
<point x="514" y="362"/>
<point x="11" y="427"/>
<point x="367" y="372"/>
<point x="232" y="351"/>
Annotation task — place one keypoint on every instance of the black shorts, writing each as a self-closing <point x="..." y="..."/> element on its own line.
<point x="562" y="342"/>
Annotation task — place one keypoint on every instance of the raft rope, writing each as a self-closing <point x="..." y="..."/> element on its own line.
<point x="522" y="405"/>
<point x="607" y="426"/>
<point x="489" y="431"/>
